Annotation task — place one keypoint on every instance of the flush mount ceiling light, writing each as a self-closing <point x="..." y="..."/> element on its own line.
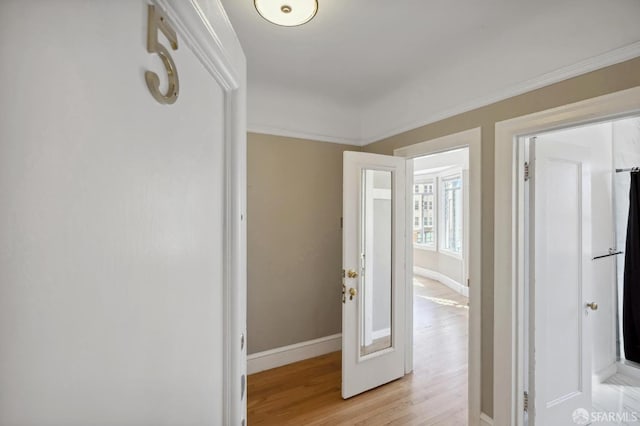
<point x="288" y="13"/>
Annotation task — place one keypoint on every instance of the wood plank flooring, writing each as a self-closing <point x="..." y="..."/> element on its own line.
<point x="308" y="392"/>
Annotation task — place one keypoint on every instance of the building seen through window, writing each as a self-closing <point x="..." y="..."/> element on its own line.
<point x="438" y="213"/>
<point x="423" y="213"/>
<point x="452" y="214"/>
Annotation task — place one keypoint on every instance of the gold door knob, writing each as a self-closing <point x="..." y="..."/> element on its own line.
<point x="352" y="274"/>
<point x="352" y="292"/>
<point x="593" y="306"/>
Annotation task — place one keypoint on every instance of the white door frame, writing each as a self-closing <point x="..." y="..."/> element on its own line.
<point x="509" y="260"/>
<point x="472" y="139"/>
<point x="203" y="26"/>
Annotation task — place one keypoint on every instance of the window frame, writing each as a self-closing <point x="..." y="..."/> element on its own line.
<point x="424" y="180"/>
<point x="449" y="175"/>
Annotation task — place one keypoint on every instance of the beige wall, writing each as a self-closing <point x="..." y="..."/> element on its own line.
<point x="294" y="209"/>
<point x="294" y="254"/>
<point x="607" y="80"/>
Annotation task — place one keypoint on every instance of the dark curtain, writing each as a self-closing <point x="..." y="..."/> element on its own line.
<point x="631" y="302"/>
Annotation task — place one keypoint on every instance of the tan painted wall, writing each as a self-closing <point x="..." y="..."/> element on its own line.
<point x="294" y="254"/>
<point x="607" y="80"/>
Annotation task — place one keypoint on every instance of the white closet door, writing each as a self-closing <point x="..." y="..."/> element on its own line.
<point x="561" y="357"/>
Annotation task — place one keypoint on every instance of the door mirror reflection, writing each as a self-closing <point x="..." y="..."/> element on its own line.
<point x="375" y="298"/>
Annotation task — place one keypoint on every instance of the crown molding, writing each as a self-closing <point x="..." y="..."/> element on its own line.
<point x="592" y="64"/>
<point x="392" y="129"/>
<point x="276" y="131"/>
<point x="283" y="111"/>
<point x="206" y="29"/>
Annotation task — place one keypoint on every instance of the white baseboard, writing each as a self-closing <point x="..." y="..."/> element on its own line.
<point x="449" y="282"/>
<point x="629" y="369"/>
<point x="485" y="420"/>
<point x="293" y="353"/>
<point x="605" y="373"/>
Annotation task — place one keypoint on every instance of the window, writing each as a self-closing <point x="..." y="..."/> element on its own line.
<point x="424" y="213"/>
<point x="451" y="232"/>
<point x="429" y="238"/>
<point x="428" y="220"/>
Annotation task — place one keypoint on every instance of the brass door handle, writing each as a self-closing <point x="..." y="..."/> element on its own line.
<point x="593" y="306"/>
<point x="352" y="293"/>
<point x="352" y="274"/>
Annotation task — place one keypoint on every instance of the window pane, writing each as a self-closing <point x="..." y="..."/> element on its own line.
<point x="452" y="210"/>
<point x="424" y="213"/>
<point x="429" y="236"/>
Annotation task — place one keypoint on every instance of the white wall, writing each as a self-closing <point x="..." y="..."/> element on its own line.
<point x="598" y="139"/>
<point x="110" y="224"/>
<point x="286" y="112"/>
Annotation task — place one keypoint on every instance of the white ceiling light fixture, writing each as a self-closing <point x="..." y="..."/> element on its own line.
<point x="287" y="13"/>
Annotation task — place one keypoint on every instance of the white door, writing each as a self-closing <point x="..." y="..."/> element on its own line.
<point x="373" y="253"/>
<point x="561" y="356"/>
<point x="122" y="251"/>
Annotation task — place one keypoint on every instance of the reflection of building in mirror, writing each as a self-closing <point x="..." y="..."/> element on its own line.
<point x="376" y="278"/>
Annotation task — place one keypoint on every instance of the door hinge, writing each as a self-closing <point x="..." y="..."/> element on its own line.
<point x="526" y="171"/>
<point x="525" y="401"/>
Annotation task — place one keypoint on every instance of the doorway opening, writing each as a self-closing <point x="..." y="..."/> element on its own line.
<point x="576" y="314"/>
<point x="446" y="293"/>
<point x="440" y="236"/>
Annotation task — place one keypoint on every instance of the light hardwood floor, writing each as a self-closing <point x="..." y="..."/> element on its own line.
<point x="308" y="392"/>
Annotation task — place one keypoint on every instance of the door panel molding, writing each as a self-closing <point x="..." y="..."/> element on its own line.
<point x="559" y="362"/>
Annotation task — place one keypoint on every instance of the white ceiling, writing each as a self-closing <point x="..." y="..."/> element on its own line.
<point x="435" y="163"/>
<point x="364" y="69"/>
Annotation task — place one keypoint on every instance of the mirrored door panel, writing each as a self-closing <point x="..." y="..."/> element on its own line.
<point x="376" y="261"/>
<point x="374" y="244"/>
